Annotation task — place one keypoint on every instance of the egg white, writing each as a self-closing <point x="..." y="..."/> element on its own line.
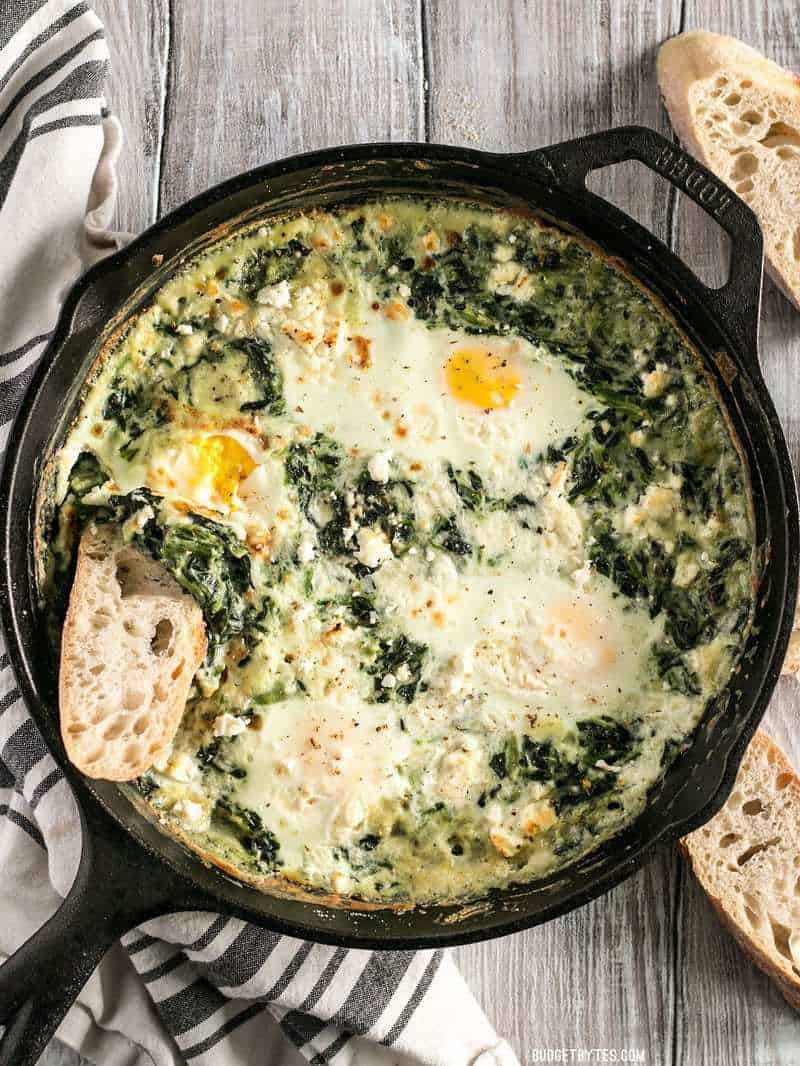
<point x="396" y="396"/>
<point x="245" y="489"/>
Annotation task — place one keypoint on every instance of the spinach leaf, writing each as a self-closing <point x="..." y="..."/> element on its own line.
<point x="86" y="474"/>
<point x="269" y="266"/>
<point x="504" y="763"/>
<point x="265" y="372"/>
<point x="539" y="760"/>
<point x="572" y="778"/>
<point x="672" y="668"/>
<point x="210" y="562"/>
<point x="606" y="739"/>
<point x="448" y="536"/>
<point x="394" y="653"/>
<point x="471" y="491"/>
<point x="626" y="567"/>
<point x="469" y="487"/>
<point x="213" y="756"/>
<point x="248" y="828"/>
<point x="426" y="290"/>
<point x="380" y="504"/>
<point x="145" y="785"/>
<point x="134" y="409"/>
<point x="362" y="610"/>
<point x="312" y="467"/>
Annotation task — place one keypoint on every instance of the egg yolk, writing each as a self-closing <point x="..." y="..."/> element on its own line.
<point x="222" y="462"/>
<point x="580" y="632"/>
<point x="482" y="378"/>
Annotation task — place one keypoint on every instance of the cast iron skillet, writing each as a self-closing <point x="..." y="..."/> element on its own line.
<point x="129" y="871"/>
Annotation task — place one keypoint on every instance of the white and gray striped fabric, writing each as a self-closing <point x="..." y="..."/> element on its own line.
<point x="196" y="988"/>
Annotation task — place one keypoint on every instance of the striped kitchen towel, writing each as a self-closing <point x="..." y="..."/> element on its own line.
<point x="186" y="987"/>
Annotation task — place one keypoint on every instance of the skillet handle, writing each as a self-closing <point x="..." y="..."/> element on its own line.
<point x="119" y="884"/>
<point x="737" y="302"/>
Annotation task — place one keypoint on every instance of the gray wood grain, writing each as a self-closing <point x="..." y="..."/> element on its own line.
<point x="138" y="36"/>
<point x="732" y="1009"/>
<point x="254" y="82"/>
<point x="206" y="89"/>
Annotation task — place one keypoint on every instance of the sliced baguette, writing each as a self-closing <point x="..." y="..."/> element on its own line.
<point x="132" y="642"/>
<point x="739" y="113"/>
<point x="747" y="858"/>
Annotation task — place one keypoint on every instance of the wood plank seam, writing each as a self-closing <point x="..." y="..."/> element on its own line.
<point x="166" y="93"/>
<point x="425" y="71"/>
<point x="672" y="220"/>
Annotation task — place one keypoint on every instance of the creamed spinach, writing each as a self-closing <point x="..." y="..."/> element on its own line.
<point x="469" y="532"/>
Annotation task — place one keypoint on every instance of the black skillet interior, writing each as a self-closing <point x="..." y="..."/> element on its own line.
<point x="130" y="870"/>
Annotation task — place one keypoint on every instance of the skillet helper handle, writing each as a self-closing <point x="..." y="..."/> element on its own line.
<point x="737" y="301"/>
<point x="119" y="885"/>
<point x="42" y="979"/>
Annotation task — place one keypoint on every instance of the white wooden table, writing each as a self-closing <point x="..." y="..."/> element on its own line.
<point x="206" y="88"/>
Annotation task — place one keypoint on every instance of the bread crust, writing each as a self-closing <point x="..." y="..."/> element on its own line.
<point x="696" y="848"/>
<point x="791" y="662"/>
<point x="121" y="695"/>
<point x="697" y="57"/>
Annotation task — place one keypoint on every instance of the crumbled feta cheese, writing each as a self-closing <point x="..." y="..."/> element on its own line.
<point x="222" y="322"/>
<point x="657" y="505"/>
<point x="503" y="842"/>
<point x="582" y="575"/>
<point x="374" y="548"/>
<point x="161" y="761"/>
<point x="656" y="381"/>
<point x="459" y="769"/>
<point x="392" y="270"/>
<point x="192" y="343"/>
<point x="430" y="555"/>
<point x="537" y="816"/>
<point x="305" y="549"/>
<point x="660" y="501"/>
<point x="341" y="882"/>
<point x="686" y="570"/>
<point x="567" y="524"/>
<point x="228" y="725"/>
<point x="190" y="813"/>
<point x="502" y="253"/>
<point x="300" y="615"/>
<point x="378" y="467"/>
<point x="404" y="291"/>
<point x="388" y="681"/>
<point x="601" y="764"/>
<point x="352" y="814"/>
<point x="275" y="295"/>
<point x="461" y="667"/>
<point x="403" y="673"/>
<point x="182" y="767"/>
<point x="184" y="328"/>
<point x="137" y="521"/>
